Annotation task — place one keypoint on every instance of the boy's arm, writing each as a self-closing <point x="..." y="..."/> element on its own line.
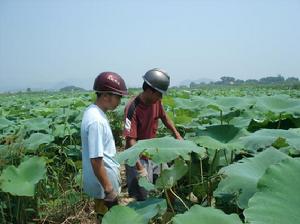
<point x="170" y="125"/>
<point x="139" y="167"/>
<point x="100" y="172"/>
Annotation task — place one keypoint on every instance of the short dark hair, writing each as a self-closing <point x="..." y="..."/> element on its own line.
<point x="109" y="93"/>
<point x="147" y="86"/>
<point x="98" y="94"/>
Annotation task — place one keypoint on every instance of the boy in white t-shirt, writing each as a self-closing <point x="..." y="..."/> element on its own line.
<point x="101" y="176"/>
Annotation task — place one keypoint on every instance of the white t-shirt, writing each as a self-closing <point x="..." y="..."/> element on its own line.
<point x="97" y="141"/>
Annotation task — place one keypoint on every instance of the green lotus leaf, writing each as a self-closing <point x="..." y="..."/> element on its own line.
<point x="241" y="121"/>
<point x="274" y="121"/>
<point x="231" y="107"/>
<point x="291" y="151"/>
<point x="36" y="139"/>
<point x="37" y="124"/>
<point x="63" y="115"/>
<point x="12" y="149"/>
<point x="3" y="151"/>
<point x="160" y="150"/>
<point x="149" y="208"/>
<point x="123" y="215"/>
<point x="79" y="103"/>
<point x="214" y="107"/>
<point x="184" y="115"/>
<point x="265" y="138"/>
<point x="186" y="94"/>
<point x="60" y="103"/>
<point x="168" y="101"/>
<point x="170" y="176"/>
<point x="205" y="215"/>
<point x="229" y="116"/>
<point x="78" y="179"/>
<point x="182" y="119"/>
<point x="277" y="200"/>
<point x="186" y="104"/>
<point x="4" y="123"/>
<point x="279" y="104"/>
<point x="143" y="182"/>
<point x="229" y="103"/>
<point x="41" y="111"/>
<point x="73" y="151"/>
<point x="62" y="130"/>
<point x="200" y="101"/>
<point x="217" y="137"/>
<point x="241" y="178"/>
<point x="21" y="181"/>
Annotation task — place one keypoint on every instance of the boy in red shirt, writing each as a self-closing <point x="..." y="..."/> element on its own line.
<point x="141" y="122"/>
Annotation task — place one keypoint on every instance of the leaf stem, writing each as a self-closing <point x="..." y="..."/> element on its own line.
<point x="187" y="208"/>
<point x="2" y="214"/>
<point x="225" y="155"/>
<point x="201" y="171"/>
<point x="221" y="116"/>
<point x="169" y="201"/>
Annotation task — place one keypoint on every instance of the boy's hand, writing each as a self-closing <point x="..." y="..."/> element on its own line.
<point x="111" y="199"/>
<point x="142" y="173"/>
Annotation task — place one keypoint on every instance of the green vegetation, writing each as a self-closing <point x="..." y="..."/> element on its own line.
<point x="71" y="88"/>
<point x="265" y="81"/>
<point x="239" y="154"/>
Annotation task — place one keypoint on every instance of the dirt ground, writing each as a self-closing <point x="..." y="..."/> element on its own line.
<point x="83" y="212"/>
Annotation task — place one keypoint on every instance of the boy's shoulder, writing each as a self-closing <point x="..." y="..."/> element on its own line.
<point x="94" y="113"/>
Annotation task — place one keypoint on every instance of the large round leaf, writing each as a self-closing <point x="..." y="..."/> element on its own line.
<point x="222" y="133"/>
<point x="41" y="111"/>
<point x="186" y="104"/>
<point x="37" y="124"/>
<point x="37" y="139"/>
<point x="122" y="215"/>
<point x="242" y="177"/>
<point x="264" y="138"/>
<point x="62" y="130"/>
<point x="229" y="103"/>
<point x="161" y="150"/>
<point x="279" y="104"/>
<point x="201" y="215"/>
<point x="169" y="176"/>
<point x="21" y="181"/>
<point x="4" y="123"/>
<point x="220" y="137"/>
<point x="182" y="116"/>
<point x="144" y="182"/>
<point x="278" y="198"/>
<point x="149" y="208"/>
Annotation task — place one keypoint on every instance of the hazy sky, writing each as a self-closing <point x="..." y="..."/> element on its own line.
<point x="44" y="43"/>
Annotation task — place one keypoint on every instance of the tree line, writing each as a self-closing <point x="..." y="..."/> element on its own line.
<point x="269" y="80"/>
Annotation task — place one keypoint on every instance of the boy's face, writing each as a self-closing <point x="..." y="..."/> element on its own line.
<point x="156" y="96"/>
<point x="114" y="101"/>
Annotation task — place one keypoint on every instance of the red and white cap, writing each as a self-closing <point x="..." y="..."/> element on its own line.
<point x="110" y="82"/>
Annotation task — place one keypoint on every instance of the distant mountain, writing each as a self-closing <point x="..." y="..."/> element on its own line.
<point x="58" y="85"/>
<point x="187" y="82"/>
<point x="66" y="84"/>
<point x="71" y="88"/>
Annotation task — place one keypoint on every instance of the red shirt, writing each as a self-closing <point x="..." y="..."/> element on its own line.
<point x="141" y="120"/>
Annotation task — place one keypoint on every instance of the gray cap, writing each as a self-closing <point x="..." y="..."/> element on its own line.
<point x="158" y="79"/>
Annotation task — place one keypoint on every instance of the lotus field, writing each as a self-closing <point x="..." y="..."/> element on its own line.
<point x="238" y="163"/>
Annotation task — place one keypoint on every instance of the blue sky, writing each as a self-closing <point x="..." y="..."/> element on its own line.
<point x="44" y="44"/>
